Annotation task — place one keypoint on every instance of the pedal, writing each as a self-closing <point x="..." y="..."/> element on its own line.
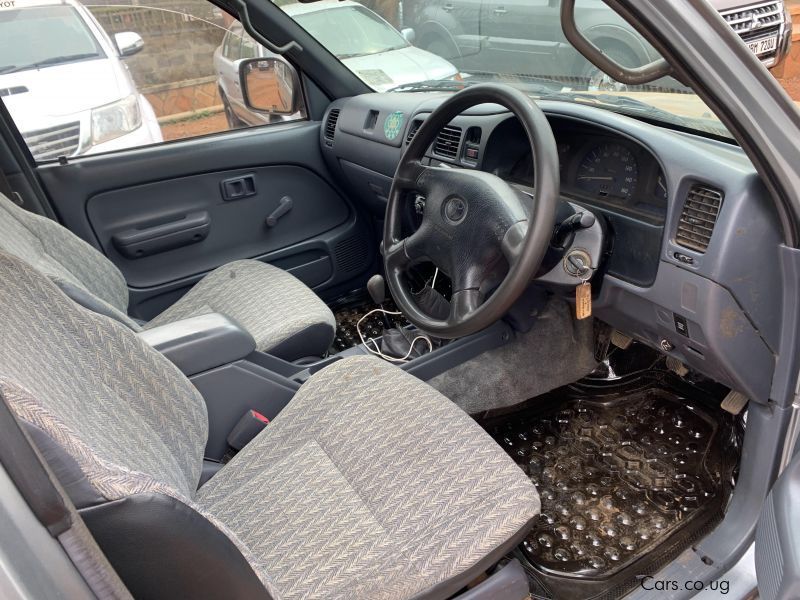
<point x="734" y="402"/>
<point x="677" y="367"/>
<point x="620" y="340"/>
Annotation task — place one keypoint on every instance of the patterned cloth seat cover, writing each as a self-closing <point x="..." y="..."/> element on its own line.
<point x="370" y="484"/>
<point x="268" y="302"/>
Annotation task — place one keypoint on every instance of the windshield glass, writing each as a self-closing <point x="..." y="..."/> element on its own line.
<point x="519" y="42"/>
<point x="349" y="31"/>
<point x="43" y="36"/>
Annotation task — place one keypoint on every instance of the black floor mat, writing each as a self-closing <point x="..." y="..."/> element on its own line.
<point x="623" y="470"/>
<point x="348" y="314"/>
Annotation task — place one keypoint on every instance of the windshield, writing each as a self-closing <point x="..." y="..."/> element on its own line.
<point x="519" y="42"/>
<point x="42" y="36"/>
<point x="349" y="31"/>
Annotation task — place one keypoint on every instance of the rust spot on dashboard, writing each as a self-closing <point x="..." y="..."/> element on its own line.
<point x="730" y="323"/>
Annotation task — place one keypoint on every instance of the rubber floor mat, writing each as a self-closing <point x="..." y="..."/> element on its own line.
<point x="348" y="316"/>
<point x="619" y="473"/>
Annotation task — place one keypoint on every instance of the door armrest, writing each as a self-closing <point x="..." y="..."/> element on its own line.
<point x="201" y="343"/>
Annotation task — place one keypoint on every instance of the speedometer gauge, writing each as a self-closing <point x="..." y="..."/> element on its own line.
<point x="608" y="170"/>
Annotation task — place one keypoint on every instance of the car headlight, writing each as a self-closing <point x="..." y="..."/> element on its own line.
<point x="115" y="119"/>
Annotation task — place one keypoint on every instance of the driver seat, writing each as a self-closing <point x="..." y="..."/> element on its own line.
<point x="282" y="314"/>
<point x="370" y="484"/>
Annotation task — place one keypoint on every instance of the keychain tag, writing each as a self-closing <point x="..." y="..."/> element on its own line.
<point x="583" y="300"/>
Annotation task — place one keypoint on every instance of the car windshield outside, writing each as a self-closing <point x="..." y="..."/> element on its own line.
<point x="518" y="42"/>
<point x="364" y="33"/>
<point x="37" y="37"/>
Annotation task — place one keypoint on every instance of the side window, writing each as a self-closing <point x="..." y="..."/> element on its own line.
<point x="232" y="44"/>
<point x="249" y="47"/>
<point x="87" y="77"/>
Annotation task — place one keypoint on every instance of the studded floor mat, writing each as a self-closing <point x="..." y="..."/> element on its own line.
<point x="625" y="473"/>
<point x="348" y="316"/>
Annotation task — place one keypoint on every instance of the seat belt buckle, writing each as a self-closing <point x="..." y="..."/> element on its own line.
<point x="249" y="426"/>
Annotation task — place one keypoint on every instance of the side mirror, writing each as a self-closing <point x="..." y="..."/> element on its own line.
<point x="128" y="42"/>
<point x="270" y="85"/>
<point x="409" y="34"/>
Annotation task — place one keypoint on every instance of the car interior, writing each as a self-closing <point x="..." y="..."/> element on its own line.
<point x="415" y="345"/>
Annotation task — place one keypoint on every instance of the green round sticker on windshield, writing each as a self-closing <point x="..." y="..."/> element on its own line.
<point x="393" y="125"/>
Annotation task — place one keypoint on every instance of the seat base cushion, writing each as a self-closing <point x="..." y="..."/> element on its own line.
<point x="284" y="316"/>
<point x="370" y="484"/>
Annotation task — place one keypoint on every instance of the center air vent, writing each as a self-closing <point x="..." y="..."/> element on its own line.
<point x="413" y="129"/>
<point x="330" y="124"/>
<point x="700" y="212"/>
<point x="448" y="141"/>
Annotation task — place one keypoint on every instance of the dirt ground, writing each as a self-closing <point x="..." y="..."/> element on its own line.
<point x="194" y="127"/>
<point x="793" y="87"/>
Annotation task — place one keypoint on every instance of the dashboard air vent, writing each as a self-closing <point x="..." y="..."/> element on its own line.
<point x="700" y="212"/>
<point x="448" y="141"/>
<point x="413" y="129"/>
<point x="330" y="124"/>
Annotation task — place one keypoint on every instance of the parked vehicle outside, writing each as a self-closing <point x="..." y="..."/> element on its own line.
<point x="65" y="84"/>
<point x="378" y="53"/>
<point x="524" y="37"/>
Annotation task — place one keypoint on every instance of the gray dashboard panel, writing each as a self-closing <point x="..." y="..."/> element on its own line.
<point x="733" y="322"/>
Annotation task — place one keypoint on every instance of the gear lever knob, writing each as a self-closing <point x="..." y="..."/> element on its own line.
<point x="376" y="286"/>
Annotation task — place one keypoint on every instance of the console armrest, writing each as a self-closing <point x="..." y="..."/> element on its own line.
<point x="201" y="343"/>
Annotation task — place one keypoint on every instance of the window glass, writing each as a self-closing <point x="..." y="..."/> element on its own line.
<point x="44" y="36"/>
<point x="233" y="43"/>
<point x="89" y="77"/>
<point x="415" y="46"/>
<point x="351" y="30"/>
<point x="249" y="47"/>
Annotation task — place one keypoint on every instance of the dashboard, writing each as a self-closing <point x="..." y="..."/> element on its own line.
<point x="597" y="167"/>
<point x="691" y="265"/>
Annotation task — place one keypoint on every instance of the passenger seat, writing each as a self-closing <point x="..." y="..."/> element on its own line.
<point x="284" y="316"/>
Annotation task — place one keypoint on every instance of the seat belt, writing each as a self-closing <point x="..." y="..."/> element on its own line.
<point x="48" y="502"/>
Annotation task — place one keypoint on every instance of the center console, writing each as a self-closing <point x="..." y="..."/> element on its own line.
<point x="221" y="360"/>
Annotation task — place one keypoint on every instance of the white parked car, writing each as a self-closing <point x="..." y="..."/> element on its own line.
<point x="381" y="56"/>
<point x="64" y="83"/>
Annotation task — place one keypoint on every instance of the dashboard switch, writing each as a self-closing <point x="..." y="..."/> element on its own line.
<point x="681" y="326"/>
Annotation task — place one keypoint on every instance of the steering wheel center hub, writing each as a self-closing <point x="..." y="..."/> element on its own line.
<point x="455" y="210"/>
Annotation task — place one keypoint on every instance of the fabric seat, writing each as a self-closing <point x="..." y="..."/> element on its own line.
<point x="282" y="314"/>
<point x="370" y="484"/>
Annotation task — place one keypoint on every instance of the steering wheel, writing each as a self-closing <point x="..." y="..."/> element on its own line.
<point x="482" y="232"/>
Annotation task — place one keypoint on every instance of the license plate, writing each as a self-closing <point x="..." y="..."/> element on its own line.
<point x="763" y="45"/>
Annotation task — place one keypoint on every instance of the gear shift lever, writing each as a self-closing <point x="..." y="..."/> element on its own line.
<point x="376" y="286"/>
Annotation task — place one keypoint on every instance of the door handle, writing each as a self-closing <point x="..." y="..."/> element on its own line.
<point x="284" y="206"/>
<point x="500" y="10"/>
<point x="237" y="188"/>
<point x="448" y="8"/>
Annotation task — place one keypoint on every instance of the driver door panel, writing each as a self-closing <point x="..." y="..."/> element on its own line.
<point x="211" y="198"/>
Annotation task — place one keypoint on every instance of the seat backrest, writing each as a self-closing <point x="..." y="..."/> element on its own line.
<point x="124" y="432"/>
<point x="123" y="412"/>
<point x="80" y="270"/>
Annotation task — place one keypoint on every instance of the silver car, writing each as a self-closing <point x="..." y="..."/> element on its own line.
<point x="381" y="56"/>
